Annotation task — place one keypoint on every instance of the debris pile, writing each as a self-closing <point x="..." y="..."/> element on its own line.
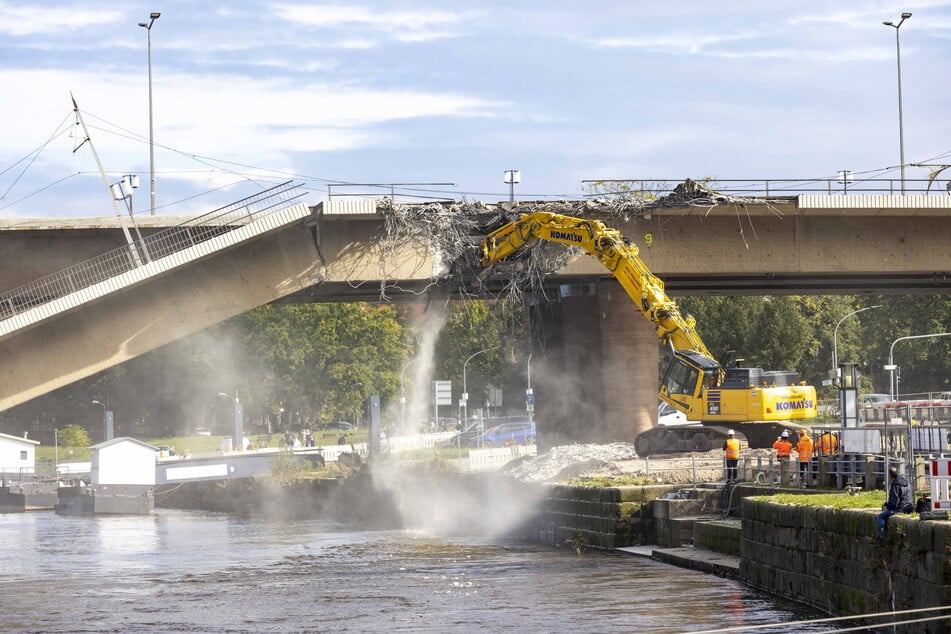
<point x="568" y="461"/>
<point x="454" y="231"/>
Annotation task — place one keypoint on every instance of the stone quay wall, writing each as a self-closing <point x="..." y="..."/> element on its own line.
<point x="829" y="558"/>
<point x="609" y="517"/>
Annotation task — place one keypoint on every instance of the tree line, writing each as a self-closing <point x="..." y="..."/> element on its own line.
<point x="306" y="365"/>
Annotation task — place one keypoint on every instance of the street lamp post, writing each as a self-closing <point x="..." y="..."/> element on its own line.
<point x="901" y="131"/>
<point x="105" y="420"/>
<point x="403" y="395"/>
<point x="529" y="393"/>
<point x="237" y="422"/>
<point x="510" y="177"/>
<point x="465" y="388"/>
<point x="835" y="338"/>
<point x="891" y="367"/>
<point x="148" y="27"/>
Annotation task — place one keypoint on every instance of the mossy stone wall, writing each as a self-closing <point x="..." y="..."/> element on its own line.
<point x="591" y="517"/>
<point x="721" y="536"/>
<point x="829" y="558"/>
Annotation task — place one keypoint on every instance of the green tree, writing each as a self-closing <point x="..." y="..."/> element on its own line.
<point x="326" y="359"/>
<point x="74" y="436"/>
<point x="767" y="331"/>
<point x="924" y="364"/>
<point x="498" y="327"/>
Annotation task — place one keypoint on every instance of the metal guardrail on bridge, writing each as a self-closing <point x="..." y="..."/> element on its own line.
<point x="777" y="187"/>
<point x="148" y="250"/>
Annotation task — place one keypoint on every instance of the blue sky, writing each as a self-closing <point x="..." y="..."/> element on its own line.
<point x="252" y="93"/>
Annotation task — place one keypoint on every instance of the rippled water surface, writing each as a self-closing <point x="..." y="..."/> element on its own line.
<point x="185" y="571"/>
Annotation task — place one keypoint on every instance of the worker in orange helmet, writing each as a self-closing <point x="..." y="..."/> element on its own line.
<point x="804" y="448"/>
<point x="732" y="454"/>
<point x="783" y="449"/>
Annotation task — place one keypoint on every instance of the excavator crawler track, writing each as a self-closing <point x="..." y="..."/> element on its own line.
<point x="685" y="439"/>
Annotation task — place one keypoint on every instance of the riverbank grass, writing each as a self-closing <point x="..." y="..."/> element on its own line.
<point x="863" y="500"/>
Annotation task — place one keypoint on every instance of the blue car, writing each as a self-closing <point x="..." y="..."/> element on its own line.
<point x="521" y="433"/>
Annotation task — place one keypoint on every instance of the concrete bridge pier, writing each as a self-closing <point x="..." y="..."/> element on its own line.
<point x="595" y="367"/>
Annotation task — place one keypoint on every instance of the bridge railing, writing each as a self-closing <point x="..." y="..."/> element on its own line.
<point x="148" y="249"/>
<point x="397" y="192"/>
<point x="774" y="187"/>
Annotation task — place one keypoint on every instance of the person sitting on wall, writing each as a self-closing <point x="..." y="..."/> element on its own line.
<point x="899" y="500"/>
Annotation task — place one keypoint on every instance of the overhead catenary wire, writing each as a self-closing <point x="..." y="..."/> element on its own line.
<point x="32" y="156"/>
<point x="218" y="165"/>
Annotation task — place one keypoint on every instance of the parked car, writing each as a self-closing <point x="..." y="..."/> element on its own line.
<point x="463" y="438"/>
<point x="164" y="451"/>
<point x="341" y="425"/>
<point x="522" y="433"/>
<point x="201" y="431"/>
<point x="874" y="400"/>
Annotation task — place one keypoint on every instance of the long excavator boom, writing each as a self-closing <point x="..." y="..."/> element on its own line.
<point x="694" y="382"/>
<point x="617" y="255"/>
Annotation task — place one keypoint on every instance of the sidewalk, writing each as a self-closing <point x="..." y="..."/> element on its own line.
<point x="689" y="557"/>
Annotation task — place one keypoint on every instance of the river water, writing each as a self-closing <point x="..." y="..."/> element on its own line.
<point x="196" y="571"/>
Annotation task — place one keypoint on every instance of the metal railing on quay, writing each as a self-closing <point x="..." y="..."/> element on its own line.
<point x="775" y="187"/>
<point x="150" y="248"/>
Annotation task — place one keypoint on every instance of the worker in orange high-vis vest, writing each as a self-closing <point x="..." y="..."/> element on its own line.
<point x="827" y="444"/>
<point x="732" y="453"/>
<point x="783" y="450"/>
<point x="804" y="447"/>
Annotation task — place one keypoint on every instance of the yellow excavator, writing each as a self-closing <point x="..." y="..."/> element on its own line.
<point x="757" y="403"/>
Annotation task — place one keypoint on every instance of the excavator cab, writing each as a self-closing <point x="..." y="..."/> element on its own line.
<point x="688" y="373"/>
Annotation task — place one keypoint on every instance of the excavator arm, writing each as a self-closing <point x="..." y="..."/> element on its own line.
<point x="693" y="382"/>
<point x="616" y="254"/>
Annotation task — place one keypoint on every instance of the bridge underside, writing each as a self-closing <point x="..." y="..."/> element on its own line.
<point x="676" y="286"/>
<point x="594" y="342"/>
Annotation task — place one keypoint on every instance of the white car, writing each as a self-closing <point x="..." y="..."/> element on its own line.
<point x="874" y="400"/>
<point x="667" y="416"/>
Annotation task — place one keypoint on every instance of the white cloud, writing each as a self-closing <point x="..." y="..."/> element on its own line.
<point x="240" y="120"/>
<point x="36" y="20"/>
<point x="679" y="43"/>
<point x="403" y="26"/>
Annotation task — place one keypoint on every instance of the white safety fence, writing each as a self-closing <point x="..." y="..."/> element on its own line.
<point x="479" y="459"/>
<point x="332" y="453"/>
<point x="399" y="444"/>
<point x="487" y="459"/>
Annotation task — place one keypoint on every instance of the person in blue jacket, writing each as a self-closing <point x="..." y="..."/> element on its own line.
<point x="899" y="499"/>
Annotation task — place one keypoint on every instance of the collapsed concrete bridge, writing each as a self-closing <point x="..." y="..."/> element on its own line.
<point x="340" y="251"/>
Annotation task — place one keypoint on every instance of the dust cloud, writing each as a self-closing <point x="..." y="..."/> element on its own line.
<point x="434" y="500"/>
<point x="457" y="504"/>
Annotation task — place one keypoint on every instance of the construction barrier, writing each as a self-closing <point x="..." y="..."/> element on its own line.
<point x="485" y="459"/>
<point x="940" y="477"/>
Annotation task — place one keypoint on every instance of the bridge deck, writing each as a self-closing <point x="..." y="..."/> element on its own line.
<point x="149" y="258"/>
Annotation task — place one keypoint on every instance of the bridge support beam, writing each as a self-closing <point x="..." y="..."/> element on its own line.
<point x="122" y="326"/>
<point x="595" y="374"/>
